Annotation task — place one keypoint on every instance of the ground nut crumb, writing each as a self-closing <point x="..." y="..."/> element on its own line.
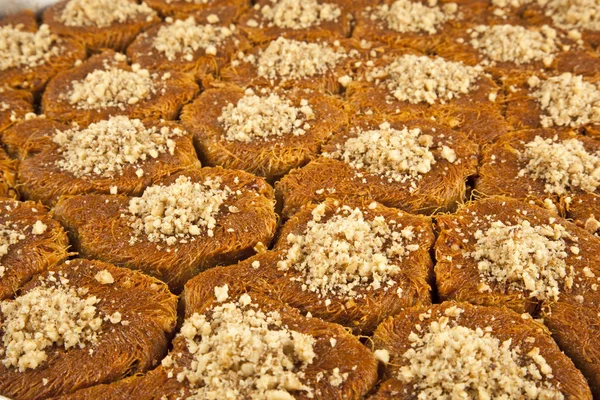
<point x="419" y="79"/>
<point x="573" y="14"/>
<point x="103" y="13"/>
<point x="413" y="16"/>
<point x="38" y="228"/>
<point x="178" y="211"/>
<point x="293" y="14"/>
<point x="562" y="165"/>
<point x="264" y="117"/>
<point x="105" y="148"/>
<point x="239" y="351"/>
<point x="567" y="100"/>
<point x="445" y="361"/>
<point x="182" y="38"/>
<point x="104" y="277"/>
<point x="346" y="252"/>
<point x="400" y="155"/>
<point x="43" y="317"/>
<point x="525" y="258"/>
<point x="23" y="49"/>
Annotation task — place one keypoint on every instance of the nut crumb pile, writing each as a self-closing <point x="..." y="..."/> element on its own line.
<point x="106" y="147"/>
<point x="514" y="43"/>
<point x="412" y="16"/>
<point x="567" y="99"/>
<point x="240" y="351"/>
<point x="418" y="79"/>
<point x="288" y="59"/>
<point x="525" y="258"/>
<point x="264" y="117"/>
<point x="177" y="212"/>
<point x="25" y="49"/>
<point x="450" y="361"/>
<point x="573" y="14"/>
<point x="399" y="155"/>
<point x="347" y="252"/>
<point x="562" y="165"/>
<point x="294" y="14"/>
<point x="103" y="13"/>
<point x="52" y="314"/>
<point x="182" y="38"/>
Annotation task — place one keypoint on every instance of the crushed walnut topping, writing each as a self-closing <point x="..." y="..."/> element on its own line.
<point x="514" y="43"/>
<point x="573" y="14"/>
<point x="103" y="13"/>
<point x="239" y="351"/>
<point x="562" y="165"/>
<point x="294" y="14"/>
<point x="23" y="49"/>
<point x="182" y="38"/>
<point x="106" y="147"/>
<point x="264" y="117"/>
<point x="412" y="16"/>
<point x="419" y="79"/>
<point x="525" y="258"/>
<point x="347" y="251"/>
<point x="179" y="211"/>
<point x="566" y="99"/>
<point x="400" y="155"/>
<point x="452" y="361"/>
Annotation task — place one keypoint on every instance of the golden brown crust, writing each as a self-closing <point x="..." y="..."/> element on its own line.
<point x="117" y="36"/>
<point x="121" y="349"/>
<point x="35" y="78"/>
<point x="34" y="254"/>
<point x="500" y="165"/>
<point x="340" y="180"/>
<point x="262" y="30"/>
<point x="185" y="7"/>
<point x="30" y="136"/>
<point x="14" y="104"/>
<point x="97" y="230"/>
<point x="172" y="92"/>
<point x="142" y="52"/>
<point x="42" y="180"/>
<point x="271" y="158"/>
<point x="392" y="335"/>
<point x="8" y="176"/>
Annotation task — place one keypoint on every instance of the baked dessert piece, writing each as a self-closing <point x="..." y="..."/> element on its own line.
<point x="503" y="252"/>
<point x="8" y="176"/>
<point x="118" y="155"/>
<point x="184" y="7"/>
<point x="33" y="54"/>
<point x="453" y="350"/>
<point x="100" y="24"/>
<point x="553" y="168"/>
<point x="83" y="323"/>
<point x="250" y="347"/>
<point x="261" y="130"/>
<point x="415" y="165"/>
<point x="30" y="243"/>
<point x="350" y="264"/>
<point x="553" y="101"/>
<point x="198" y="43"/>
<point x="301" y="20"/>
<point x="105" y="85"/>
<point x="407" y="83"/>
<point x="509" y="49"/>
<point x="14" y="106"/>
<point x="289" y="63"/>
<point x="188" y="222"/>
<point x="412" y="23"/>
